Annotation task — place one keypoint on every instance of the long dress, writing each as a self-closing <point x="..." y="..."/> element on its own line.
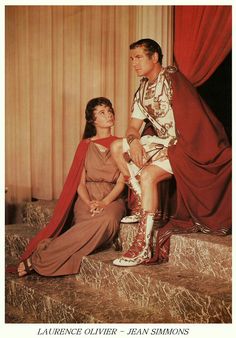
<point x="63" y="255"/>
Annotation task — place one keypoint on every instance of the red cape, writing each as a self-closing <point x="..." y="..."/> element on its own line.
<point x="54" y="228"/>
<point x="201" y="163"/>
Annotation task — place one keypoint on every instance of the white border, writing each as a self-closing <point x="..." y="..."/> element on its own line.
<point x="31" y="330"/>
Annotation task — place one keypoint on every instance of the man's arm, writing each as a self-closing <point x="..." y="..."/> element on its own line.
<point x="137" y="151"/>
<point x="133" y="128"/>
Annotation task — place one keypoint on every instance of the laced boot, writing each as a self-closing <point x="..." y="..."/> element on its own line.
<point x="134" y="186"/>
<point x="140" y="250"/>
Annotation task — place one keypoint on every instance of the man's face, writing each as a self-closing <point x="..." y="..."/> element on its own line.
<point x="143" y="64"/>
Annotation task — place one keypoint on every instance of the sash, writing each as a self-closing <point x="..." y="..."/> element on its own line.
<point x="162" y="81"/>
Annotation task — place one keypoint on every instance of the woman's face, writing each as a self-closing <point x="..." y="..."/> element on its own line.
<point x="103" y="116"/>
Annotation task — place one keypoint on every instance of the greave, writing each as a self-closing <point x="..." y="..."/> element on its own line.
<point x="140" y="250"/>
<point x="134" y="185"/>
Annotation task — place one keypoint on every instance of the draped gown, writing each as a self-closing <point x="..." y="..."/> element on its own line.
<point x="63" y="255"/>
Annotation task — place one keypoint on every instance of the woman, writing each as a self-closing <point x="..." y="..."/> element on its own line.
<point x="98" y="209"/>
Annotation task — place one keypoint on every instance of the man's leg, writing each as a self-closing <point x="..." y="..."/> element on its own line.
<point x="140" y="249"/>
<point x="151" y="176"/>
<point x="117" y="154"/>
<point x="118" y="148"/>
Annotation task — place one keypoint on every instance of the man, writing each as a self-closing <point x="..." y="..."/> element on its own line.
<point x="190" y="144"/>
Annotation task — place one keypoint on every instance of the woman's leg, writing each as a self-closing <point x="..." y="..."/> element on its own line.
<point x="63" y="255"/>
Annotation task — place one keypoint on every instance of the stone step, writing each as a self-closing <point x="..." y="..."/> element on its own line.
<point x="41" y="299"/>
<point x="38" y="213"/>
<point x="17" y="237"/>
<point x="203" y="253"/>
<point x="14" y="315"/>
<point x="188" y="296"/>
<point x="193" y="287"/>
<point x="206" y="254"/>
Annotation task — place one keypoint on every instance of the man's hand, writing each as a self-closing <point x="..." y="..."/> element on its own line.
<point x="137" y="153"/>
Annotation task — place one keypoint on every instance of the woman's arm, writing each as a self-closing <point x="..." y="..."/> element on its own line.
<point x="82" y="190"/>
<point x="98" y="206"/>
<point x="116" y="191"/>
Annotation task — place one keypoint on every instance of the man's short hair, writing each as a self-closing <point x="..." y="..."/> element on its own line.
<point x="150" y="46"/>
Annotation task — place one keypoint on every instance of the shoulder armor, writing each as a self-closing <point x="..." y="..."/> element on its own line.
<point x="171" y="69"/>
<point x="142" y="80"/>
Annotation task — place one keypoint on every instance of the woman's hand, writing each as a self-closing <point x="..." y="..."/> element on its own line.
<point x="96" y="207"/>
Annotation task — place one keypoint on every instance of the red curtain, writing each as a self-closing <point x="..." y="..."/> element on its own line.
<point x="203" y="38"/>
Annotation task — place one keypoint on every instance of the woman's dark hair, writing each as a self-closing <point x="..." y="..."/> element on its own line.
<point x="90" y="130"/>
<point x="150" y="47"/>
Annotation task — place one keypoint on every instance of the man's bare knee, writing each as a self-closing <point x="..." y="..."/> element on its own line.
<point x="116" y="148"/>
<point x="146" y="178"/>
<point x="150" y="176"/>
<point x="117" y="154"/>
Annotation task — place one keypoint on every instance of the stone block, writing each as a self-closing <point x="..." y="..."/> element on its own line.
<point x="37" y="214"/>
<point x="203" y="253"/>
<point x="17" y="237"/>
<point x="187" y="296"/>
<point x="66" y="300"/>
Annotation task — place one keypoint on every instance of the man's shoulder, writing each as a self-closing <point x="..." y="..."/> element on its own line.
<point x="141" y="86"/>
<point x="171" y="69"/>
<point x="143" y="80"/>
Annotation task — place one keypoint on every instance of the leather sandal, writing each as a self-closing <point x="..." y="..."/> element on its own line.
<point x="28" y="269"/>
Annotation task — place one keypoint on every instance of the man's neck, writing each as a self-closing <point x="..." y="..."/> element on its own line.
<point x="154" y="74"/>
